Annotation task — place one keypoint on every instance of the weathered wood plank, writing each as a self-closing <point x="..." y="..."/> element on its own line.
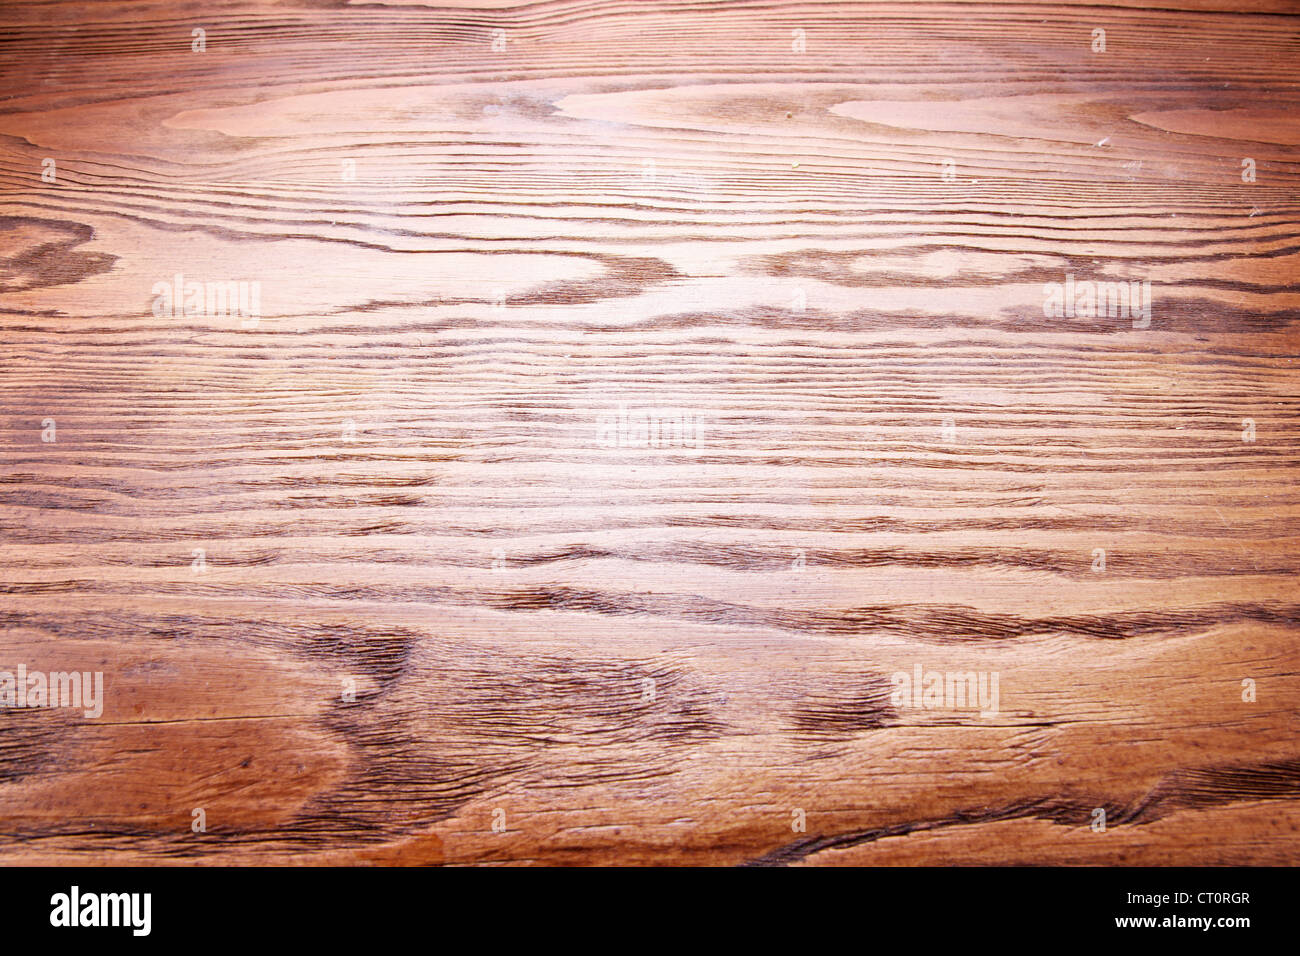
<point x="386" y="558"/>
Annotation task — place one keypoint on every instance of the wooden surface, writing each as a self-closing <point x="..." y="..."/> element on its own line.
<point x="832" y="261"/>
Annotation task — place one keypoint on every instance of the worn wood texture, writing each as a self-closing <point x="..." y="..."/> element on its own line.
<point x="823" y="232"/>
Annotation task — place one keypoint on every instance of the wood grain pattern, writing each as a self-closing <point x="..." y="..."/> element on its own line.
<point x="813" y="239"/>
